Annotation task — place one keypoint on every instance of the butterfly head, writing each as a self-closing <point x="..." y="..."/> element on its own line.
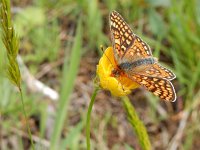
<point x="116" y="72"/>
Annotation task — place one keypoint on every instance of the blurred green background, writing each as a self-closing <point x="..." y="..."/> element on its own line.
<point x="59" y="50"/>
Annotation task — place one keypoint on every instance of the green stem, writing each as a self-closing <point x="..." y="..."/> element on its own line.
<point x="88" y="117"/>
<point x="27" y="125"/>
<point x="137" y="124"/>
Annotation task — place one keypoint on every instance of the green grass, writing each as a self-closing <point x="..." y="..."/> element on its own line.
<point x="52" y="31"/>
<point x="69" y="75"/>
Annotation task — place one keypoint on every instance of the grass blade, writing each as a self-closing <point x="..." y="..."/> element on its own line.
<point x="69" y="76"/>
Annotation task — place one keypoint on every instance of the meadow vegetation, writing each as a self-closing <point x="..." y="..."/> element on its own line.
<point x="59" y="48"/>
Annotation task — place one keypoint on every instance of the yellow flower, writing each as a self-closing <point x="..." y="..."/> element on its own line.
<point x="118" y="86"/>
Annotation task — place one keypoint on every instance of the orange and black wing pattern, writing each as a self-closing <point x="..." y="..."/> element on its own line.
<point x="126" y="44"/>
<point x="134" y="58"/>
<point x="158" y="86"/>
<point x="139" y="49"/>
<point x="121" y="33"/>
<point x="156" y="70"/>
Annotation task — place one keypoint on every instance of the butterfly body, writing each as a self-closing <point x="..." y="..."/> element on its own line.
<point x="124" y="68"/>
<point x="134" y="60"/>
<point x="137" y="63"/>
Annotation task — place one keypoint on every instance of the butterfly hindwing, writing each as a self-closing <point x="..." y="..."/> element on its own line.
<point x="154" y="70"/>
<point x="158" y="86"/>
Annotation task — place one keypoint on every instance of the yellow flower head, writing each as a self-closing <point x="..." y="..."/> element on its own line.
<point x="118" y="85"/>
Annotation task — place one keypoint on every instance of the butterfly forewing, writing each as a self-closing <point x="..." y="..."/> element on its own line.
<point x="127" y="45"/>
<point x="122" y="36"/>
<point x="139" y="49"/>
<point x="158" y="86"/>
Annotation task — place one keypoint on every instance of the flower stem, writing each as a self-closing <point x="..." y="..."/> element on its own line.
<point x="88" y="117"/>
<point x="25" y="115"/>
<point x="137" y="124"/>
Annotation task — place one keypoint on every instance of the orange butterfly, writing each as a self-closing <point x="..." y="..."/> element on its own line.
<point x="135" y="60"/>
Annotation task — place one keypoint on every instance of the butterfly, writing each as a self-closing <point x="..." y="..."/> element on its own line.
<point x="134" y="59"/>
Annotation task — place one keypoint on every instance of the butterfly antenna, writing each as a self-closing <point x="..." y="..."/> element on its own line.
<point x="102" y="49"/>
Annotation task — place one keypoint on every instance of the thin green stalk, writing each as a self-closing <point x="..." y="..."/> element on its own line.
<point x="26" y="119"/>
<point x="11" y="43"/>
<point x="88" y="117"/>
<point x="137" y="124"/>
